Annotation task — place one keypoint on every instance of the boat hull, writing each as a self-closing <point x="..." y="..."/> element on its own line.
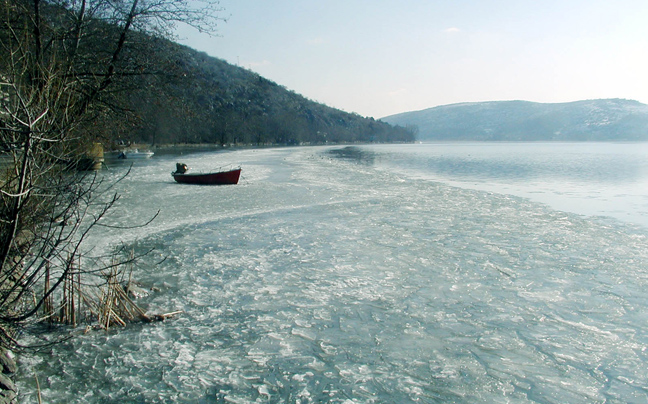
<point x="220" y="178"/>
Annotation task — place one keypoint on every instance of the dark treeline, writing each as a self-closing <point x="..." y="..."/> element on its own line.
<point x="194" y="98"/>
<point x="166" y="93"/>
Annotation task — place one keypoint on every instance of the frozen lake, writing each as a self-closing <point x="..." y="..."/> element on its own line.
<point x="374" y="274"/>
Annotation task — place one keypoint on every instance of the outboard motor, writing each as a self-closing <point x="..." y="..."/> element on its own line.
<point x="181" y="168"/>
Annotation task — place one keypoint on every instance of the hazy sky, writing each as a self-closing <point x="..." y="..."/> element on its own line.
<point x="381" y="57"/>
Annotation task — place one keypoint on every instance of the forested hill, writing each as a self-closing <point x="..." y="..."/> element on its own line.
<point x="592" y="120"/>
<point x="195" y="98"/>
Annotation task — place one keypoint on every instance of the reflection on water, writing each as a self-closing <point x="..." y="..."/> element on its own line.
<point x="354" y="153"/>
<point x="596" y="179"/>
<point x="592" y="163"/>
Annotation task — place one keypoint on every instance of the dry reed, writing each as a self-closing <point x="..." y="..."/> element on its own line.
<point x="107" y="303"/>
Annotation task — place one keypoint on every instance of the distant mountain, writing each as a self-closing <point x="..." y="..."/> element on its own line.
<point x="591" y="120"/>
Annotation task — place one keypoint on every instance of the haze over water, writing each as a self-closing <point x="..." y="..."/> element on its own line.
<point x="589" y="178"/>
<point x="373" y="274"/>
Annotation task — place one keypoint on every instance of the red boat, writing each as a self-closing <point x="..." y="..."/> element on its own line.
<point x="230" y="177"/>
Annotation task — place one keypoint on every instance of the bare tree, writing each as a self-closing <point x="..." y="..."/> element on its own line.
<point x="60" y="62"/>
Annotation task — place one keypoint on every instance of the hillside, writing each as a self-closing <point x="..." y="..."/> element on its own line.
<point x="195" y="98"/>
<point x="132" y="84"/>
<point x="592" y="120"/>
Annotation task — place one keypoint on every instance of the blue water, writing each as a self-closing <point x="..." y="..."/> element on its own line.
<point x="463" y="273"/>
<point x="604" y="179"/>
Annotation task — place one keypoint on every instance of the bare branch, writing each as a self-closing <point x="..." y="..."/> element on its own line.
<point x="60" y="62"/>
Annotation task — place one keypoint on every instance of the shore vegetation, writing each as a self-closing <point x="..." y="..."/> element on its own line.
<point x="64" y="69"/>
